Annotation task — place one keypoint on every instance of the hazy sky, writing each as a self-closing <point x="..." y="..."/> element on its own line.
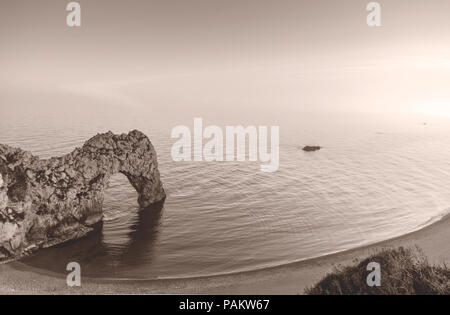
<point x="223" y="52"/>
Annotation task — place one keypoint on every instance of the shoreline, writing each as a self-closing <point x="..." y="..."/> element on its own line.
<point x="291" y="278"/>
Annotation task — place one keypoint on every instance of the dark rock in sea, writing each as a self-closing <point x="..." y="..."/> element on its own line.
<point x="44" y="202"/>
<point x="311" y="148"/>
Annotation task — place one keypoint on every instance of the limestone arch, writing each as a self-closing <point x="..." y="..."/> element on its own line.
<point x="49" y="201"/>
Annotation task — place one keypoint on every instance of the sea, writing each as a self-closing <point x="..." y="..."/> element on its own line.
<point x="377" y="176"/>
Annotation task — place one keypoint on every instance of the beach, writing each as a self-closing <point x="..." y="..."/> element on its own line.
<point x="17" y="278"/>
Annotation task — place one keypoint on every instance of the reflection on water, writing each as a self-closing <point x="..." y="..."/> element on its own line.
<point x="143" y="235"/>
<point x="97" y="256"/>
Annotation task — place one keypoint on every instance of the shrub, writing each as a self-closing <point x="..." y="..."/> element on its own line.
<point x="404" y="271"/>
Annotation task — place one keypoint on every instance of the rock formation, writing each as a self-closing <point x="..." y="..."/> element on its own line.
<point x="44" y="202"/>
<point x="309" y="148"/>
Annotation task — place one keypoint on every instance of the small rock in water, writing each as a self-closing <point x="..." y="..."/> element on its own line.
<point x="311" y="148"/>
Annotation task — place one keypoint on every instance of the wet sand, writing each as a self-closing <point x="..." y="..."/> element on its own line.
<point x="17" y="278"/>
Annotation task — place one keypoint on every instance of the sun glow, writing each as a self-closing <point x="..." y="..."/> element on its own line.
<point x="435" y="108"/>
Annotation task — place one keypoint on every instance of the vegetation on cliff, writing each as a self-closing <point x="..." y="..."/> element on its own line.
<point x="404" y="271"/>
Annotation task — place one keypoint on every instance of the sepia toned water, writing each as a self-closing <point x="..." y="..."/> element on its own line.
<point x="375" y="178"/>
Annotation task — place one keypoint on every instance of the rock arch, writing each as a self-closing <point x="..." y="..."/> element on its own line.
<point x="44" y="202"/>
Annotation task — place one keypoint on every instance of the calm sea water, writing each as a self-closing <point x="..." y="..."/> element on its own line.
<point x="375" y="178"/>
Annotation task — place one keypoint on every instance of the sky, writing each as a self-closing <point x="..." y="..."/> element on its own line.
<point x="254" y="54"/>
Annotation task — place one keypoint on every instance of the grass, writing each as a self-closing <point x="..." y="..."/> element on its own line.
<point x="404" y="271"/>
